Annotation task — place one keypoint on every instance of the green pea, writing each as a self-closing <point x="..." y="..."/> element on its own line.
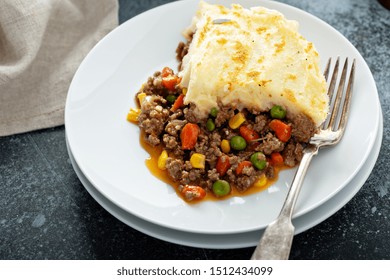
<point x="171" y="98"/>
<point x="214" y="112"/>
<point x="278" y="112"/>
<point x="221" y="188"/>
<point x="210" y="126"/>
<point x="237" y="143"/>
<point x="258" y="160"/>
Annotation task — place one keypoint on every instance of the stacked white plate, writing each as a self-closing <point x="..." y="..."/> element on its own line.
<point x="107" y="156"/>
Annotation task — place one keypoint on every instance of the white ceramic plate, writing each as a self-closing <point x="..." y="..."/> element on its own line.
<point x="106" y="147"/>
<point x="238" y="240"/>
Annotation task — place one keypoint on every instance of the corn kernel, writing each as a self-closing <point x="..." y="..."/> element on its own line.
<point x="133" y="114"/>
<point x="225" y="146"/>
<point x="261" y="182"/>
<point x="141" y="97"/>
<point x="184" y="91"/>
<point x="236" y="120"/>
<point x="198" y="160"/>
<point x="162" y="160"/>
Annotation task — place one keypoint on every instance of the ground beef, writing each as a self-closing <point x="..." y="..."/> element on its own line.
<point x="212" y="176"/>
<point x="177" y="115"/>
<point x="260" y="122"/>
<point x="245" y="155"/>
<point x="202" y="143"/>
<point x="215" y="140"/>
<point x="209" y="145"/>
<point x="270" y="172"/>
<point x="228" y="133"/>
<point x="152" y="139"/>
<point x="214" y="151"/>
<point x="248" y="171"/>
<point x="244" y="182"/>
<point x="224" y="114"/>
<point x="247" y="178"/>
<point x="152" y="118"/>
<point x="270" y="144"/>
<point x="181" y="51"/>
<point x="171" y="138"/>
<point x="292" y="154"/>
<point x="175" y="168"/>
<point x="191" y="176"/>
<point x="298" y="151"/>
<point x="163" y="126"/>
<point x="173" y="127"/>
<point x="191" y="115"/>
<point x="170" y="142"/>
<point x="302" y="127"/>
<point x="153" y="86"/>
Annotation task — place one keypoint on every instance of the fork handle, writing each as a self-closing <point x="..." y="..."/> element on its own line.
<point x="296" y="185"/>
<point x="276" y="241"/>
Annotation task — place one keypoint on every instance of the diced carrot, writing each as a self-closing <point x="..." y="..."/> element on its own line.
<point x="248" y="134"/>
<point x="281" y="129"/>
<point x="223" y="164"/>
<point x="276" y="159"/>
<point x="193" y="192"/>
<point x="170" y="82"/>
<point x="166" y="71"/>
<point x="242" y="165"/>
<point x="189" y="136"/>
<point x="178" y="103"/>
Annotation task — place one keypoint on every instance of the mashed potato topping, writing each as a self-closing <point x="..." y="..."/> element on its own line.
<point x="251" y="58"/>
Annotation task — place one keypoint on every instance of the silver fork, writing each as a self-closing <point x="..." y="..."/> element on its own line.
<point x="276" y="241"/>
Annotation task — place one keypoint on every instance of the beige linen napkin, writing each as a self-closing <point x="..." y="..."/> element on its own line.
<point x="42" y="42"/>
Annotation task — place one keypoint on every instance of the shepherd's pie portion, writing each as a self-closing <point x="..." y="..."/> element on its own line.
<point x="251" y="58"/>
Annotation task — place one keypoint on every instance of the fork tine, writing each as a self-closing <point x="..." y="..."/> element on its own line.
<point x="332" y="83"/>
<point x="347" y="100"/>
<point x="337" y="101"/>
<point x="334" y="79"/>
<point x="326" y="72"/>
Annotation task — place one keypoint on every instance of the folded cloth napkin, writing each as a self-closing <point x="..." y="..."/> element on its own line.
<point x="42" y="42"/>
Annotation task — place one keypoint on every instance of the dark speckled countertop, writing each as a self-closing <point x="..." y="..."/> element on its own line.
<point x="46" y="213"/>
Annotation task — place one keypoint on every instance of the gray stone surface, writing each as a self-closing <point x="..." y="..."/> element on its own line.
<point x="45" y="212"/>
